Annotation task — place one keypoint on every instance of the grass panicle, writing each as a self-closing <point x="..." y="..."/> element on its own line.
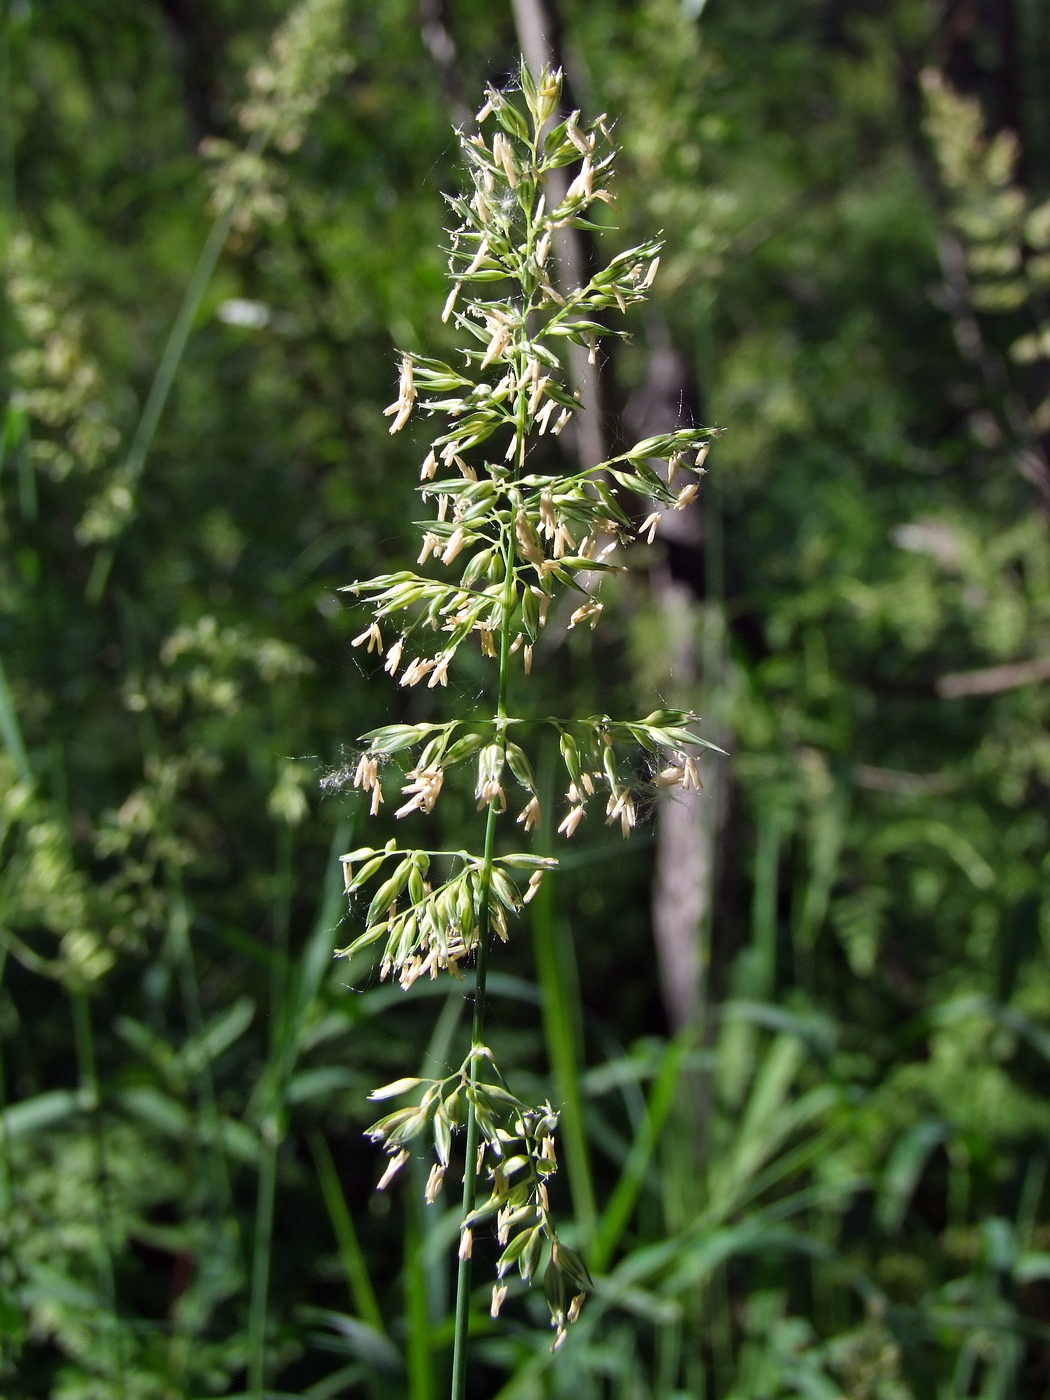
<point x="511" y="538"/>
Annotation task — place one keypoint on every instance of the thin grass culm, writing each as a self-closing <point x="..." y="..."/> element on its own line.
<point x="518" y="539"/>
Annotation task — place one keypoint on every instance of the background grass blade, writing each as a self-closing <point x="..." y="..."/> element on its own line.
<point x="355" y="1265"/>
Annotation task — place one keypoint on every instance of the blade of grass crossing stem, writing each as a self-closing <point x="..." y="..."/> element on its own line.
<point x="11" y="730"/>
<point x="625" y="1195"/>
<point x="562" y="1019"/>
<point x="350" y="1252"/>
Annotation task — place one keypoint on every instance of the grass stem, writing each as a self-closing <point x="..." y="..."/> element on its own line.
<point x="477" y="1031"/>
<point x="470" y="1160"/>
<point x="170" y="359"/>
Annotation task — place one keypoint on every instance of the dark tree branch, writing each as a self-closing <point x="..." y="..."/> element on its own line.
<point x="195" y="38"/>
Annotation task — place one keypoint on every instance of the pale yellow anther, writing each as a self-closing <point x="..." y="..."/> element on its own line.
<point x="569" y="824"/>
<point x="395" y="1165"/>
<point x="393" y="657"/>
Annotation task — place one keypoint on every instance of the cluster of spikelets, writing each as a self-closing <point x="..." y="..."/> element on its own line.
<point x="306" y="56"/>
<point x="430" y="929"/>
<point x="1004" y="232"/>
<point x="440" y="926"/>
<point x="58" y="402"/>
<point x="512" y="538"/>
<point x="518" y="1158"/>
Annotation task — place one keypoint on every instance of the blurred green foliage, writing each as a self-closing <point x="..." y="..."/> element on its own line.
<point x="833" y="1186"/>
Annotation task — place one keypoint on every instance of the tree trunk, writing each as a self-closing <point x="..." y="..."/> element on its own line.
<point x="685" y="839"/>
<point x="687" y="822"/>
<point x="440" y="45"/>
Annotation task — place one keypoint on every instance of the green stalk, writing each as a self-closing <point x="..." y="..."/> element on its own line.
<point x="426" y="1288"/>
<point x="176" y="344"/>
<point x="477" y="1031"/>
<point x="170" y="360"/>
<point x="470" y="1165"/>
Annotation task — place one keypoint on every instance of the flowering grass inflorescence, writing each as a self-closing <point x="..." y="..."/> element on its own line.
<point x="517" y="538"/>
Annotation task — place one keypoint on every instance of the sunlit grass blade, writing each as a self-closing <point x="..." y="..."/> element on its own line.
<point x="621" y="1204"/>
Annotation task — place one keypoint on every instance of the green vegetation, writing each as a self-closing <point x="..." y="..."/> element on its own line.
<point x="803" y="1092"/>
